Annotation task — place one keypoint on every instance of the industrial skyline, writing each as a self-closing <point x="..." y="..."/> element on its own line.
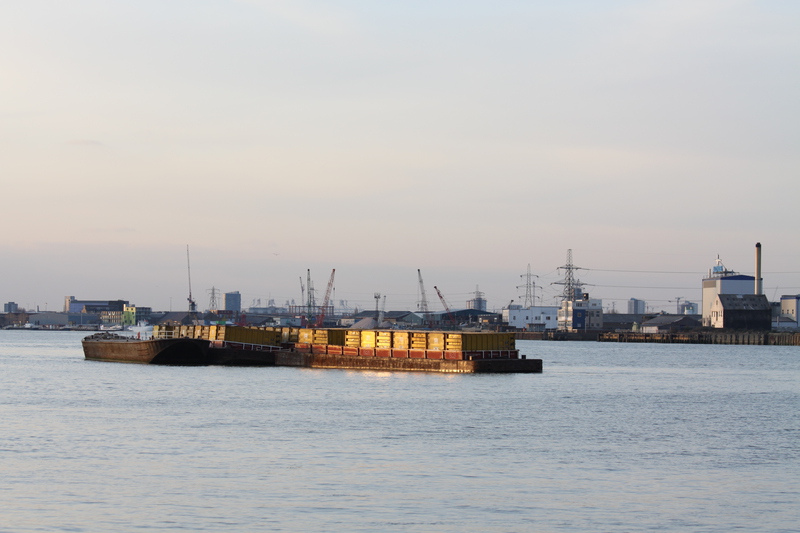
<point x="464" y="139"/>
<point x="564" y="280"/>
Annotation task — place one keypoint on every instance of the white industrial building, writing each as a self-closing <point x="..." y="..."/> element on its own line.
<point x="733" y="300"/>
<point x="789" y="312"/>
<point x="535" y="318"/>
<point x="720" y="280"/>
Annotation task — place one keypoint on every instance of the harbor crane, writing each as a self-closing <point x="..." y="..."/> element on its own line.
<point x="192" y="303"/>
<point x="423" y="303"/>
<point x="321" y="317"/>
<point x="382" y="313"/>
<point x="677" y="301"/>
<point x="302" y="290"/>
<point x="450" y="317"/>
<point x="377" y="297"/>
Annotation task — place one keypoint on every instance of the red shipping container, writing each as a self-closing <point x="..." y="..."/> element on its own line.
<point x="334" y="350"/>
<point x="302" y="347"/>
<point x="416" y="354"/>
<point x="397" y="352"/>
<point x="319" y="348"/>
<point x="383" y="352"/>
<point x="349" y="350"/>
<point x="434" y="354"/>
<point x="366" y="352"/>
<point x="453" y="355"/>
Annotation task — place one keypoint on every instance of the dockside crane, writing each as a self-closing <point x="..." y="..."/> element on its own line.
<point x="382" y="313"/>
<point x="423" y="303"/>
<point x="450" y="317"/>
<point x="321" y="317"/>
<point x="302" y="290"/>
<point x="192" y="303"/>
<point x="377" y="297"/>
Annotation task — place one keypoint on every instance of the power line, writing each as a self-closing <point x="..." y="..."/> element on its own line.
<point x="637" y="287"/>
<point x="644" y="271"/>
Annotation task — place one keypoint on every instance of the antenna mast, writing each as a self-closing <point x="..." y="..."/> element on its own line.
<point x="192" y="303"/>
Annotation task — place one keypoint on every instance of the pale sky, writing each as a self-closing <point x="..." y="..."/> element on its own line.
<point x="467" y="139"/>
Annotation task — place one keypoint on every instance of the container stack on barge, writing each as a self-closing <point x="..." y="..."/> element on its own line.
<point x="429" y="351"/>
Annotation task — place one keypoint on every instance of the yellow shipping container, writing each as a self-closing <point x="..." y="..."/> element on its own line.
<point x="353" y="338"/>
<point x="383" y="339"/>
<point x="453" y="341"/>
<point x="320" y="336"/>
<point x="400" y="340"/>
<point x="305" y="336"/>
<point x="419" y="340"/>
<point x="368" y="338"/>
<point x="436" y="340"/>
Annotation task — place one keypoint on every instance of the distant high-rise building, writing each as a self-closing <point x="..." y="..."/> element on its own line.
<point x="10" y="307"/>
<point x="636" y="307"/>
<point x="479" y="302"/>
<point x="233" y="301"/>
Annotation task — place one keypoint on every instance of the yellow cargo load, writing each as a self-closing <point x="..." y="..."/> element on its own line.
<point x="383" y="339"/>
<point x="335" y="337"/>
<point x="305" y="336"/>
<point x="419" y="340"/>
<point x="368" y="338"/>
<point x="353" y="338"/>
<point x="400" y="340"/>
<point x="436" y="340"/>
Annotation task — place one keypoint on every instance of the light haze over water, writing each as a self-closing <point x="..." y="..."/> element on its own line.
<point x="468" y="139"/>
<point x="611" y="437"/>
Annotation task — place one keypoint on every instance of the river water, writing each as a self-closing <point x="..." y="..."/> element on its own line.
<point x="611" y="437"/>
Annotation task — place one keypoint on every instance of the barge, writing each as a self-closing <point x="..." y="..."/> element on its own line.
<point x="425" y="351"/>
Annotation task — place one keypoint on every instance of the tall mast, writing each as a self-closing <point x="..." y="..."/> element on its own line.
<point x="192" y="303"/>
<point x="423" y="303"/>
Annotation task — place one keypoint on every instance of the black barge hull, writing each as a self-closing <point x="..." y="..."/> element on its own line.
<point x="200" y="352"/>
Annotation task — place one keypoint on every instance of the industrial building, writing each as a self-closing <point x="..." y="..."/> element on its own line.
<point x="735" y="301"/>
<point x="534" y="318"/>
<point x="580" y="315"/>
<point x="741" y="311"/>
<point x="72" y="305"/>
<point x="133" y="315"/>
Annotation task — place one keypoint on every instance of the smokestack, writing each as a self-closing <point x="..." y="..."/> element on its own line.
<point x="758" y="282"/>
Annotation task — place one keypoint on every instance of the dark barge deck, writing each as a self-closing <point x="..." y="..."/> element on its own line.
<point x="186" y="351"/>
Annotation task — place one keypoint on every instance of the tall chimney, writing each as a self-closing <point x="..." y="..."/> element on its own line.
<point x="758" y="282"/>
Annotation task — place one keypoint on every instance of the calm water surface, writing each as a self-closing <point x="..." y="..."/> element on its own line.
<point x="612" y="437"/>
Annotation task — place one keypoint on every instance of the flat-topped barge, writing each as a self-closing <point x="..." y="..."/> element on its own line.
<point x="426" y="351"/>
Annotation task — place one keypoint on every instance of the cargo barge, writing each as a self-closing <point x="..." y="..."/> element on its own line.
<point x="425" y="351"/>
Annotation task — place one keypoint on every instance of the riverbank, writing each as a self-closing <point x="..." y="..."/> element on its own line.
<point x="755" y="338"/>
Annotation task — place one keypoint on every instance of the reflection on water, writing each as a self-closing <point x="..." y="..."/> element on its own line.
<point x="610" y="438"/>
